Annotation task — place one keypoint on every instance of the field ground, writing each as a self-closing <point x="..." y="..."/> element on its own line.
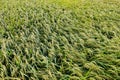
<point x="60" y="39"/>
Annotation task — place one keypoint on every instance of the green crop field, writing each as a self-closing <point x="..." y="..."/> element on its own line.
<point x="59" y="39"/>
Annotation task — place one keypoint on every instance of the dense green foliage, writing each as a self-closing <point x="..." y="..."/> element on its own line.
<point x="60" y="39"/>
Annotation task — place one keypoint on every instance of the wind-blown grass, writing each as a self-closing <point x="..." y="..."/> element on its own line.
<point x="60" y="40"/>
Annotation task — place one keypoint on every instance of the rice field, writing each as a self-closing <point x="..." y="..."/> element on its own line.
<point x="59" y="40"/>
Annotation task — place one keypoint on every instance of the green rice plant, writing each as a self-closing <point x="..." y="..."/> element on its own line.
<point x="59" y="40"/>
